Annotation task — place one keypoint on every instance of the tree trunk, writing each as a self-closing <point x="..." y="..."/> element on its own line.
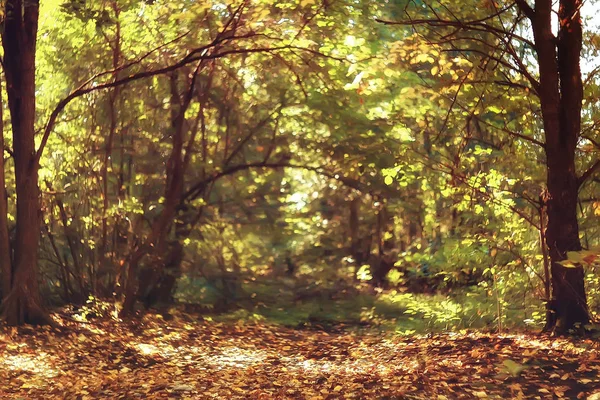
<point x="23" y="304"/>
<point x="113" y="107"/>
<point x="5" y="252"/>
<point x="360" y="245"/>
<point x="546" y="260"/>
<point x="561" y="94"/>
<point x="386" y="257"/>
<point x="173" y="192"/>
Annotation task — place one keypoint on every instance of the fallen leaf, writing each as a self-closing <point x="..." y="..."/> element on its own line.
<point x="514" y="369"/>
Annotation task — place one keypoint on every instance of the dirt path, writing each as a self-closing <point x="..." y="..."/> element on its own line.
<point x="184" y="359"/>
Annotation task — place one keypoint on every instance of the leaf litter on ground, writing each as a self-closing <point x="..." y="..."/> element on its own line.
<point x="189" y="358"/>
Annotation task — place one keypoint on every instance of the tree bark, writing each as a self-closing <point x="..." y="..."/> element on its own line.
<point x="5" y="251"/>
<point x="561" y="94"/>
<point x="23" y="304"/>
<point x="113" y="107"/>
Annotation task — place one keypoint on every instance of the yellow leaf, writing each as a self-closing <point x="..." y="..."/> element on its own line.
<point x="420" y="58"/>
<point x="567" y="264"/>
<point x="529" y="353"/>
<point x="337" y="388"/>
<point x="262" y="14"/>
<point x="28" y="385"/>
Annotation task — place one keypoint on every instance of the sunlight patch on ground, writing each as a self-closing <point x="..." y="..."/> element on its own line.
<point x="225" y="357"/>
<point x="545" y="344"/>
<point x="157" y="348"/>
<point x="236" y="357"/>
<point x="359" y="366"/>
<point x="148" y="349"/>
<point x="30" y="363"/>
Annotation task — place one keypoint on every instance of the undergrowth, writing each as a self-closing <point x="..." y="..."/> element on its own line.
<point x="307" y="305"/>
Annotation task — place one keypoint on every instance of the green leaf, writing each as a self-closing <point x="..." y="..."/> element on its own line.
<point x="574" y="256"/>
<point x="514" y="368"/>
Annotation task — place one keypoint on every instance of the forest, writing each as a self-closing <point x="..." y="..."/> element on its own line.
<point x="303" y="199"/>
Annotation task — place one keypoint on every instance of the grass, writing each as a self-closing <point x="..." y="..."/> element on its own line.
<point x="296" y="305"/>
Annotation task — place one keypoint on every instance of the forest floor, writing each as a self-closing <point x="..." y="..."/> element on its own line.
<point x="187" y="358"/>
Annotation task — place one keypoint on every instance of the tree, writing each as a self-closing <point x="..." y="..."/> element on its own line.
<point x="560" y="90"/>
<point x="23" y="303"/>
<point x="5" y="250"/>
<point x="495" y="39"/>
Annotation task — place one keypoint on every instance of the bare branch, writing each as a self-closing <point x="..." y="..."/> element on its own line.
<point x="462" y="25"/>
<point x="588" y="173"/>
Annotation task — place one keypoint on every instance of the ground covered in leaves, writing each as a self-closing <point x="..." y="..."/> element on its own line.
<point x="189" y="358"/>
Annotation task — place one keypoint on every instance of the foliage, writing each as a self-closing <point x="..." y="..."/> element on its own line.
<point x="319" y="146"/>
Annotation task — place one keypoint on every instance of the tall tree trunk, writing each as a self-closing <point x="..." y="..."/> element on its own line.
<point x="561" y="94"/>
<point x="113" y="106"/>
<point x="23" y="304"/>
<point x="5" y="252"/>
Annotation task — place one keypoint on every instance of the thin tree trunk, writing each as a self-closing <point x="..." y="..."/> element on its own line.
<point x="113" y="100"/>
<point x="73" y="248"/>
<point x="64" y="268"/>
<point x="173" y="192"/>
<point x="385" y="244"/>
<point x="5" y="252"/>
<point x="357" y="251"/>
<point x="546" y="261"/>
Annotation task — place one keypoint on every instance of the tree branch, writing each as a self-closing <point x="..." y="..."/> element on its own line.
<point x="86" y="88"/>
<point x="197" y="188"/>
<point x="461" y="25"/>
<point x="588" y="173"/>
<point x="526" y="9"/>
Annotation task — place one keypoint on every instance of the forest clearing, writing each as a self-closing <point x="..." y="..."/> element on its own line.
<point x="313" y="199"/>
